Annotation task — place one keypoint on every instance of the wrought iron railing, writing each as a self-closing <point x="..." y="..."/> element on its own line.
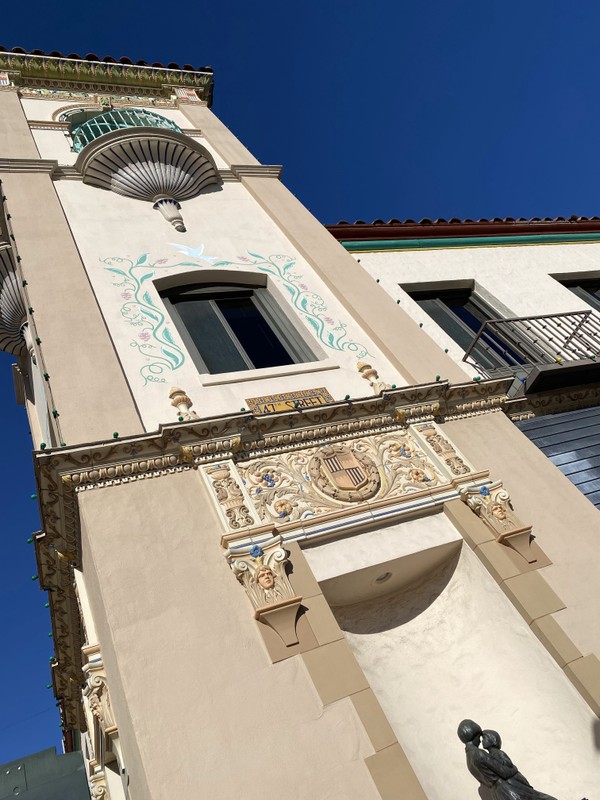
<point x="114" y="120"/>
<point x="515" y="346"/>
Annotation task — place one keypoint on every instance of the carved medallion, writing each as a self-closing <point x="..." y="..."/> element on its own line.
<point x="344" y="473"/>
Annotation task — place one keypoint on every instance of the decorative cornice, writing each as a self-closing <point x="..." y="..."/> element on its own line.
<point x="28" y="165"/>
<point x="553" y="402"/>
<point x="256" y="171"/>
<point x="48" y="125"/>
<point x="55" y="73"/>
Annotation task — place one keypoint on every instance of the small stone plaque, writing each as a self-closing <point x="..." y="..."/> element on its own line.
<point x="289" y="401"/>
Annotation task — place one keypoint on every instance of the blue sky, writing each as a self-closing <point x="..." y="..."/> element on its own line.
<point x="376" y="110"/>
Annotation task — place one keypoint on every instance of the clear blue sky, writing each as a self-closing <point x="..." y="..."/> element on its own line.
<point x="376" y="110"/>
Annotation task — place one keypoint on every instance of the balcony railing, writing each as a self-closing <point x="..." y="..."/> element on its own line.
<point x="544" y="351"/>
<point x="114" y="120"/>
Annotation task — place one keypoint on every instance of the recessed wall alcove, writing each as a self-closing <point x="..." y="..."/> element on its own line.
<point x="445" y="644"/>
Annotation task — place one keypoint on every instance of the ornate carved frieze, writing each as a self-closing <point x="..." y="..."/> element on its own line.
<point x="55" y="73"/>
<point x="301" y="484"/>
<point x="446" y="452"/>
<point x="262" y="573"/>
<point x="554" y="402"/>
<point x="232" y="500"/>
<point x="492" y="504"/>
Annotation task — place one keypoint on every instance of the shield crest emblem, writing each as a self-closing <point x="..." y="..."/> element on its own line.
<point x="342" y="472"/>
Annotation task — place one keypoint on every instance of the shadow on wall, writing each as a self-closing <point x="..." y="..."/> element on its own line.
<point x="417" y="598"/>
<point x="596" y="733"/>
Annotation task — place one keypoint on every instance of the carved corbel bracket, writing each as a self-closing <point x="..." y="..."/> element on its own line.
<point x="104" y="729"/>
<point x="262" y="574"/>
<point x="493" y="506"/>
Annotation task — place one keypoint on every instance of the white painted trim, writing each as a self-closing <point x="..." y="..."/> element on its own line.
<point x="268" y="372"/>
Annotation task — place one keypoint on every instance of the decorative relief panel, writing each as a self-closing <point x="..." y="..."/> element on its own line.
<point x="457" y="464"/>
<point x="231" y="498"/>
<point x="305" y="483"/>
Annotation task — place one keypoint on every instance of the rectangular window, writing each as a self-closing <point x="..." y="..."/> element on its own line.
<point x="462" y="315"/>
<point x="233" y="328"/>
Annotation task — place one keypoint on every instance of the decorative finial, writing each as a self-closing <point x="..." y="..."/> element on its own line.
<point x="370" y="374"/>
<point x="170" y="209"/>
<point x="182" y="403"/>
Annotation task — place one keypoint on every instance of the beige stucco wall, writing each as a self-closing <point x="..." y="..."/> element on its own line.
<point x="224" y="224"/>
<point x="452" y="646"/>
<point x="186" y="665"/>
<point x="86" y="380"/>
<point x="516" y="281"/>
<point x="564" y="521"/>
<point x="16" y="140"/>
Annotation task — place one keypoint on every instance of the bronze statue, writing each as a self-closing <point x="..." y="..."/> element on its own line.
<point x="492" y="767"/>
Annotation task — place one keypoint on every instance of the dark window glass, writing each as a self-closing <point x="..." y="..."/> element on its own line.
<point x="588" y="291"/>
<point x="253" y="332"/>
<point x="461" y="314"/>
<point x="235" y="328"/>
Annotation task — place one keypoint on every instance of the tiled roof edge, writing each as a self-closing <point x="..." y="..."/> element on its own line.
<point x="92" y="57"/>
<point x="442" y="228"/>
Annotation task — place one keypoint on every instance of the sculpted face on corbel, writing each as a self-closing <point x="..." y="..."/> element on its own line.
<point x="263" y="576"/>
<point x="492" y="503"/>
<point x="262" y="573"/>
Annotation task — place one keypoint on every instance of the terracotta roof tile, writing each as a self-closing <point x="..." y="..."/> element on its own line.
<point x="106" y="59"/>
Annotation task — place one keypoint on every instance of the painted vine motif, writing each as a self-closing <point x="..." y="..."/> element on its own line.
<point x="154" y="340"/>
<point x="330" y="332"/>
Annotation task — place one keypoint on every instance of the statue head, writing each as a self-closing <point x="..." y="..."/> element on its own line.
<point x="498" y="511"/>
<point x="491" y="738"/>
<point x="265" y="577"/>
<point x="469" y="731"/>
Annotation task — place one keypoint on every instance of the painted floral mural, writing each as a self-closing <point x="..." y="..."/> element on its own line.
<point x="153" y="338"/>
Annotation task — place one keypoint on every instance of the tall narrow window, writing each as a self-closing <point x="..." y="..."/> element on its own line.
<point x="232" y="328"/>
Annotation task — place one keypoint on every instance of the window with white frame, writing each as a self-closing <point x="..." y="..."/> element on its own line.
<point x="234" y="327"/>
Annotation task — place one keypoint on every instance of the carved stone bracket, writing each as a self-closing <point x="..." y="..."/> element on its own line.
<point x="492" y="504"/>
<point x="98" y="787"/>
<point x="103" y="728"/>
<point x="262" y="574"/>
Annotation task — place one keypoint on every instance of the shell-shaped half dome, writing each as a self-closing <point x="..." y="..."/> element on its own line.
<point x="12" y="309"/>
<point x="148" y="164"/>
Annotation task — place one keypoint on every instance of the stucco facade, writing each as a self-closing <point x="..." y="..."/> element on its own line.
<point x="310" y="571"/>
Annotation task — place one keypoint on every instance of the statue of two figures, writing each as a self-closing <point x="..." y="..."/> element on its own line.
<point x="492" y="767"/>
